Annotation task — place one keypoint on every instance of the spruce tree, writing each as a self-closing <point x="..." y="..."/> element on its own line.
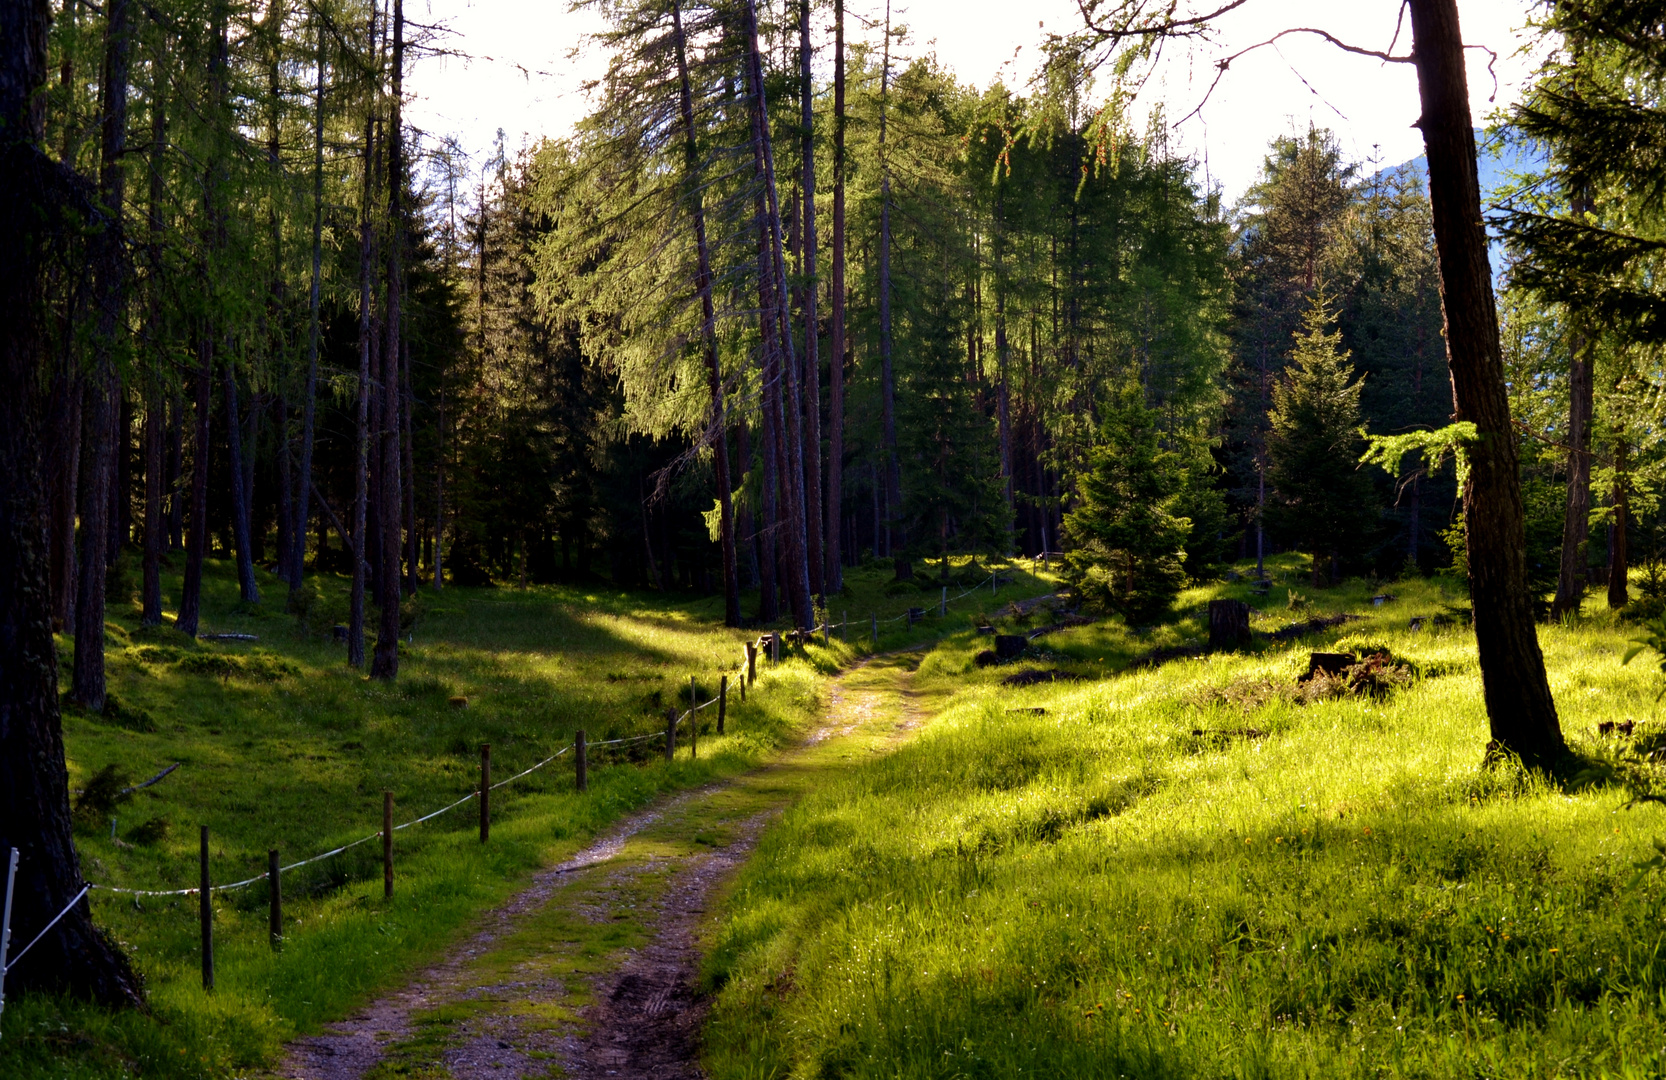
<point x="1322" y="500"/>
<point x="1128" y="534"/>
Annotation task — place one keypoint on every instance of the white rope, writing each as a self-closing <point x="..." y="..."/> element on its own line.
<point x="14" y="960"/>
<point x="535" y="768"/>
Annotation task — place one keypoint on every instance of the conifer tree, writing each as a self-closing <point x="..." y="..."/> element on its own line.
<point x="1127" y="528"/>
<point x="1323" y="501"/>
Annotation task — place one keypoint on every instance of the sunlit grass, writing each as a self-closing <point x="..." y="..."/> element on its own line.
<point x="285" y="747"/>
<point x="1333" y="889"/>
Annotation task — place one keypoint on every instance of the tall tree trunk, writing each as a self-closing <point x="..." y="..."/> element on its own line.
<point x="789" y="441"/>
<point x="1619" y="566"/>
<point x="718" y="422"/>
<point x="34" y="782"/>
<point x="309" y="406"/>
<point x="1576" y="520"/>
<point x="746" y="522"/>
<point x="155" y="526"/>
<point x="769" y="394"/>
<point x="384" y="663"/>
<point x="1517" y="693"/>
<point x="835" y="572"/>
<point x="248" y="589"/>
<point x="196" y="539"/>
<point x="407" y="402"/>
<point x="103" y="387"/>
<point x="361" y="474"/>
<point x="214" y="195"/>
<point x="814" y="531"/>
<point x="895" y="542"/>
<point x="64" y="476"/>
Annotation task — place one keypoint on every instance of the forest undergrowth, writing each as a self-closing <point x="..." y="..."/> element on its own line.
<point x="1199" y="866"/>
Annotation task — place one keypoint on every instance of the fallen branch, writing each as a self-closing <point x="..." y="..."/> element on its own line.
<point x="155" y="779"/>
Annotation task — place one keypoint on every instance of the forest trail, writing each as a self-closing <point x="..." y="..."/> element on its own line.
<point x="590" y="971"/>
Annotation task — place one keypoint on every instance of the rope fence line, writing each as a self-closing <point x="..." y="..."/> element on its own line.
<point x="385" y="834"/>
<point x="245" y="883"/>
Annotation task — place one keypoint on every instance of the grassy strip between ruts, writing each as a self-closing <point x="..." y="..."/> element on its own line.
<point x="1168" y="872"/>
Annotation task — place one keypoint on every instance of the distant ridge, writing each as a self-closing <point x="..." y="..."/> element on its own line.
<point x="1494" y="166"/>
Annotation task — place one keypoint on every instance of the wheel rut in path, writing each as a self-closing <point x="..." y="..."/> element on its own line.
<point x="592" y="969"/>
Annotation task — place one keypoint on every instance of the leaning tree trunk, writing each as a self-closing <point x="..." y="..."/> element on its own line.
<point x="718" y="423"/>
<point x="814" y="530"/>
<point x="789" y="445"/>
<point x="894" y="539"/>
<point x="835" y="572"/>
<point x="1517" y="693"/>
<point x="34" y="783"/>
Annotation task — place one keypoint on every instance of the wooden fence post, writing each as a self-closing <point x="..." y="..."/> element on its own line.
<point x="751" y="662"/>
<point x="722" y="700"/>
<point x="205" y="912"/>
<point x="693" y="734"/>
<point x="670" y="732"/>
<point x="943" y="604"/>
<point x="775" y="647"/>
<point x="274" y="888"/>
<point x="485" y="791"/>
<point x="844" y="625"/>
<point x="875" y="618"/>
<point x="582" y="766"/>
<point x="387" y="844"/>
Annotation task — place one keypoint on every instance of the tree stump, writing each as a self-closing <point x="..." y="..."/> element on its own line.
<point x="1228" y="624"/>
<point x="1010" y="646"/>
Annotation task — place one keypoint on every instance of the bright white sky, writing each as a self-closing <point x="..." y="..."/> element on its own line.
<point x="524" y="79"/>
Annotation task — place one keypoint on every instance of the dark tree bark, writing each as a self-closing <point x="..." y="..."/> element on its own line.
<point x="155" y="527"/>
<point x="788" y="439"/>
<point x="1619" y="567"/>
<point x="309" y="406"/>
<point x="214" y="180"/>
<point x="1576" y="522"/>
<point x="241" y="491"/>
<point x="361" y="466"/>
<point x="196" y="539"/>
<point x="384" y="663"/>
<point x="718" y="423"/>
<point x="835" y="571"/>
<point x="813" y="530"/>
<point x="64" y="475"/>
<point x="894" y="538"/>
<point x="1519" y="705"/>
<point x="770" y="409"/>
<point x="34" y="783"/>
<point x="103" y="388"/>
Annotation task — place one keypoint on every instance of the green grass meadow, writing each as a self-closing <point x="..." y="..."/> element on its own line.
<point x="1172" y="871"/>
<point x="282" y="746"/>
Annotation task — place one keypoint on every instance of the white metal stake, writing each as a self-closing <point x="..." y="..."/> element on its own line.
<point x="6" y="926"/>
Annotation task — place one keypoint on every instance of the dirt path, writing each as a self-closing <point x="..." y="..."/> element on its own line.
<point x="591" y="970"/>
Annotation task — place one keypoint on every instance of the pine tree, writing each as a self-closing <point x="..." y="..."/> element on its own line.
<point x="1128" y="533"/>
<point x="1323" y="501"/>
